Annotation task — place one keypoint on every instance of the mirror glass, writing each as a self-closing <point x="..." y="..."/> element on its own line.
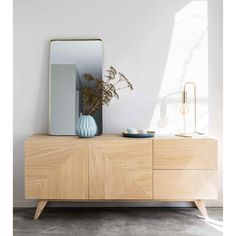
<point x="69" y="61"/>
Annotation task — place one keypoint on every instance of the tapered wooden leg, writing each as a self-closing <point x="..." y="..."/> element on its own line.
<point x="201" y="206"/>
<point x="39" y="209"/>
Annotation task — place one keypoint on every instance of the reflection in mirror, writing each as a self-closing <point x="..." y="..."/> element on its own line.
<point x="69" y="61"/>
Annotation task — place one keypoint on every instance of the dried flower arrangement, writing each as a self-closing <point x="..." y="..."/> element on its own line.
<point x="101" y="92"/>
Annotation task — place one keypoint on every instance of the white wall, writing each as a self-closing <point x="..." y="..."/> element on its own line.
<point x="136" y="38"/>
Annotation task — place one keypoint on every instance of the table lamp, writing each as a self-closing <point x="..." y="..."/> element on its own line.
<point x="163" y="121"/>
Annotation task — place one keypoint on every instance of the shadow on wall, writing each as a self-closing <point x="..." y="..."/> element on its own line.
<point x="41" y="115"/>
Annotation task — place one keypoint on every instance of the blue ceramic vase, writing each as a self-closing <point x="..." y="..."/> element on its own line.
<point x="86" y="126"/>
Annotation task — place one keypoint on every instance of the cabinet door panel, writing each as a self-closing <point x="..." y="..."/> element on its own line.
<point x="56" y="168"/>
<point x="185" y="154"/>
<point x="120" y="169"/>
<point x="185" y="184"/>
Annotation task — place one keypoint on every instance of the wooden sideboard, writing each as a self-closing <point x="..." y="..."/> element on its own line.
<point x="111" y="167"/>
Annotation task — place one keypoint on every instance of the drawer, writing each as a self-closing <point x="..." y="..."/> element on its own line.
<point x="185" y="184"/>
<point x="185" y="154"/>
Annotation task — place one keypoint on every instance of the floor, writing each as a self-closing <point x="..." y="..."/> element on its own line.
<point x="117" y="221"/>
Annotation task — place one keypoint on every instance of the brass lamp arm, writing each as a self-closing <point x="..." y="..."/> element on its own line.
<point x="195" y="101"/>
<point x="163" y="102"/>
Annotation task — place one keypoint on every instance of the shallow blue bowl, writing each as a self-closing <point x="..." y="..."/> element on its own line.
<point x="149" y="134"/>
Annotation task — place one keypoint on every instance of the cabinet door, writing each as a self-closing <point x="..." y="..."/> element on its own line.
<point x="56" y="168"/>
<point x="120" y="169"/>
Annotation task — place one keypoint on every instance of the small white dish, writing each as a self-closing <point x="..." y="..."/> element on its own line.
<point x="142" y="131"/>
<point x="132" y="131"/>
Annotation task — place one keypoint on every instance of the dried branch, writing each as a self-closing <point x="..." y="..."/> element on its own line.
<point x="103" y="91"/>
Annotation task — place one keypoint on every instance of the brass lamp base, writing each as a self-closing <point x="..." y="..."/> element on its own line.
<point x="189" y="135"/>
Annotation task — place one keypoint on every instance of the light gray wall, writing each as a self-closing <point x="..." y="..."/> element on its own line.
<point x="136" y="38"/>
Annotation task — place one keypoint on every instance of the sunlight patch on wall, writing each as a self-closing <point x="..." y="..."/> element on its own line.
<point x="187" y="61"/>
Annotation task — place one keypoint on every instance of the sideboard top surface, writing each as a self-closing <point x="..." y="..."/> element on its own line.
<point x="41" y="137"/>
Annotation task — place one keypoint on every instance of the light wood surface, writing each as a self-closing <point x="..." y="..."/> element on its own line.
<point x="185" y="184"/>
<point x="56" y="169"/>
<point x="41" y="137"/>
<point x="120" y="169"/>
<point x="185" y="154"/>
<point x="201" y="206"/>
<point x="66" y="138"/>
<point x="39" y="209"/>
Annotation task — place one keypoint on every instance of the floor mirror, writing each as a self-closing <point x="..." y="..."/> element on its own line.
<point x="69" y="61"/>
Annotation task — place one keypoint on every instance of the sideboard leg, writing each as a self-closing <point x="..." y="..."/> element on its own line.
<point x="39" y="209"/>
<point x="201" y="206"/>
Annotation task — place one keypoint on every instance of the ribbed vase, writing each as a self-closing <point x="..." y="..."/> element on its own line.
<point x="86" y="126"/>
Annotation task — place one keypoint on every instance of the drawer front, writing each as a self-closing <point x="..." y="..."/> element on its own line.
<point x="185" y="184"/>
<point x="185" y="154"/>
